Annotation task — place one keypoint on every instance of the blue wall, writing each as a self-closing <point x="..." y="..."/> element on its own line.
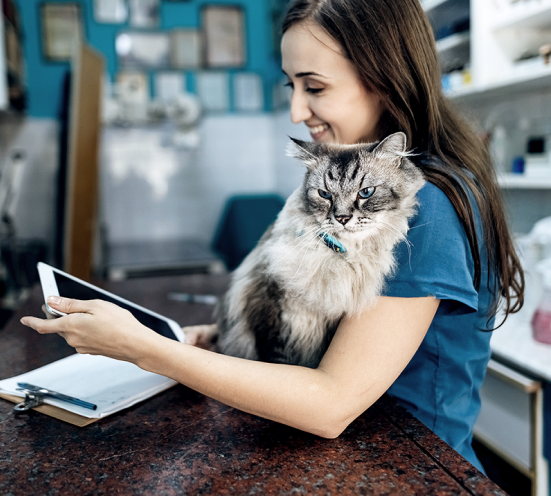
<point x="44" y="78"/>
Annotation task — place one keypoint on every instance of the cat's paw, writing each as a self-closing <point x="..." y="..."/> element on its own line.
<point x="202" y="336"/>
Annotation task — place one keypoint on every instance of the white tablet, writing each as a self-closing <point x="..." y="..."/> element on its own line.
<point x="58" y="283"/>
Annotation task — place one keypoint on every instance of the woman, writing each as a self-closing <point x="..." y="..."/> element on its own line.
<point x="360" y="70"/>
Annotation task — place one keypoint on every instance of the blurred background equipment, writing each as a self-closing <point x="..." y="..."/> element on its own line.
<point x="243" y="222"/>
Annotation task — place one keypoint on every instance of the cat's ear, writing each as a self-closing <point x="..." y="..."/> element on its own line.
<point x="392" y="147"/>
<point x="305" y="151"/>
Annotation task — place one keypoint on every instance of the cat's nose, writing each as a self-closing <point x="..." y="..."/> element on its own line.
<point x="343" y="219"/>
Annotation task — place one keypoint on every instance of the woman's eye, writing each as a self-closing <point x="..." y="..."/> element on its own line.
<point x="324" y="194"/>
<point x="288" y="84"/>
<point x="367" y="192"/>
<point x="313" y="91"/>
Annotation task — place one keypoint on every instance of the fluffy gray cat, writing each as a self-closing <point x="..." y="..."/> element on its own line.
<point x="327" y="254"/>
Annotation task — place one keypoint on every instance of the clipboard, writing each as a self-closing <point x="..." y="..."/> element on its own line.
<point x="112" y="385"/>
<point x="54" y="411"/>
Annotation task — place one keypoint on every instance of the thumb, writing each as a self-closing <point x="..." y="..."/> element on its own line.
<point x="69" y="305"/>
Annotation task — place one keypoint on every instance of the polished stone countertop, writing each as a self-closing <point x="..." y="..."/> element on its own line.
<point x="181" y="442"/>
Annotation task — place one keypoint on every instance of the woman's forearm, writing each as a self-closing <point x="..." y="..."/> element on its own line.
<point x="295" y="396"/>
<point x="367" y="353"/>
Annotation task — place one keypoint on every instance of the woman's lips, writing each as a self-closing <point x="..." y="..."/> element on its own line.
<point x="316" y="131"/>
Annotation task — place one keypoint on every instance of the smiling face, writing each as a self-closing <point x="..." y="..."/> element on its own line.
<point x="327" y="94"/>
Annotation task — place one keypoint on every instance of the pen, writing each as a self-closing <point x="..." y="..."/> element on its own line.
<point x="53" y="394"/>
<point x="193" y="298"/>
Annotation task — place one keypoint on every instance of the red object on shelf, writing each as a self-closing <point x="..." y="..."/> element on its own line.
<point x="541" y="326"/>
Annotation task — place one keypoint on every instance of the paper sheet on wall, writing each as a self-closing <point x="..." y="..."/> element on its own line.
<point x="110" y="384"/>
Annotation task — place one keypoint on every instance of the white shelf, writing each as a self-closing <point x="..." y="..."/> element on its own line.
<point x="521" y="81"/>
<point x="513" y="343"/>
<point x="527" y="14"/>
<point x="453" y="42"/>
<point x="454" y="51"/>
<point x="519" y="181"/>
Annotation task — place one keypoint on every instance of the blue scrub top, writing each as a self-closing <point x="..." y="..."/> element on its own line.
<point x="440" y="384"/>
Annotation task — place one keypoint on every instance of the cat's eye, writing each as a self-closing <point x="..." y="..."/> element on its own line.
<point x="367" y="192"/>
<point x="324" y="194"/>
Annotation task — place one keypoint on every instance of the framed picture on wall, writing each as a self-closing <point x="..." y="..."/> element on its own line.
<point x="248" y="95"/>
<point x="144" y="13"/>
<point x="224" y="27"/>
<point x="169" y="86"/>
<point x="139" y="50"/>
<point x="110" y="11"/>
<point x="186" y="49"/>
<point x="133" y="86"/>
<point x="213" y="89"/>
<point x="62" y="29"/>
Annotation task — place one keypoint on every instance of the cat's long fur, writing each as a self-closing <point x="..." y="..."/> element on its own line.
<point x="288" y="296"/>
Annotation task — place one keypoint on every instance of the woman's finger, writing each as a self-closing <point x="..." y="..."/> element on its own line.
<point x="69" y="305"/>
<point x="43" y="326"/>
<point x="202" y="336"/>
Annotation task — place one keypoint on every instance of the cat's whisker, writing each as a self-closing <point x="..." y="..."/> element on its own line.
<point x="302" y="260"/>
<point x="301" y="247"/>
<point x="304" y="234"/>
<point x="305" y="239"/>
<point x="420" y="225"/>
<point x="403" y="237"/>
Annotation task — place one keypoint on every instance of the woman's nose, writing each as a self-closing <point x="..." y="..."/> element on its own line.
<point x="300" y="111"/>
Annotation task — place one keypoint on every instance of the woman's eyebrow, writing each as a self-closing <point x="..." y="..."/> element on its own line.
<point x="305" y="74"/>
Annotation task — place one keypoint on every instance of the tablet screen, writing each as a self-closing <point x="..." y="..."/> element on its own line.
<point x="72" y="289"/>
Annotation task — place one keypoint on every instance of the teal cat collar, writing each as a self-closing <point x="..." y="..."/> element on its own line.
<point x="330" y="242"/>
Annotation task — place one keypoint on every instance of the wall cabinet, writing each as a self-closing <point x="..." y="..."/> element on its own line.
<point x="511" y="422"/>
<point x="450" y="20"/>
<point x="493" y="70"/>
<point x="505" y="42"/>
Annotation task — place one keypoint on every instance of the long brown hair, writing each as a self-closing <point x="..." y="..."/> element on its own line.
<point x="391" y="44"/>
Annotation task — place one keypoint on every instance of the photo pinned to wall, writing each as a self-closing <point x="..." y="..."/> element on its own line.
<point x="224" y="36"/>
<point x="110" y="11"/>
<point x="248" y="93"/>
<point x="213" y="90"/>
<point x="62" y="29"/>
<point x="169" y="86"/>
<point x="186" y="49"/>
<point x="143" y="50"/>
<point x="132" y="88"/>
<point x="144" y="13"/>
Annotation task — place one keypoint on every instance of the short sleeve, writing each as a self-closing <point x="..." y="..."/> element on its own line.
<point x="436" y="259"/>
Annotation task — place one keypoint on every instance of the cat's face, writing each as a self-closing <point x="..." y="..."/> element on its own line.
<point x="351" y="189"/>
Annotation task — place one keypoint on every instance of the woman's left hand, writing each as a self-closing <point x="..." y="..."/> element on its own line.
<point x="96" y="327"/>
